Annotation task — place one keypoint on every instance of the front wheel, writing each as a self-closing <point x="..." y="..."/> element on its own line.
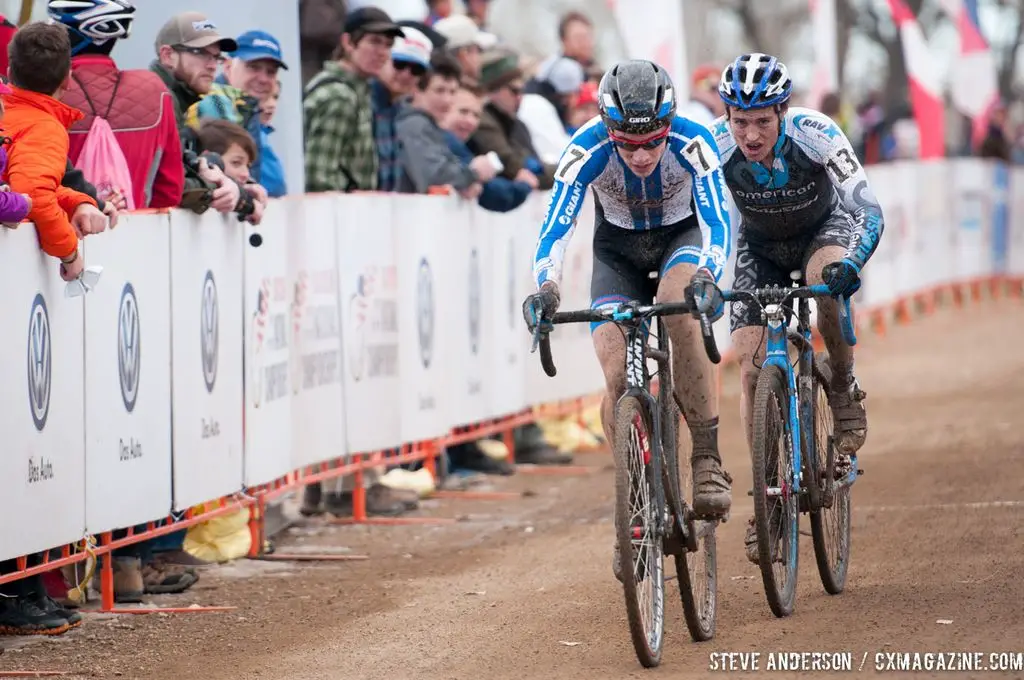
<point x="830" y="526"/>
<point x="639" y="510"/>
<point x="776" y="506"/>
<point x="696" y="572"/>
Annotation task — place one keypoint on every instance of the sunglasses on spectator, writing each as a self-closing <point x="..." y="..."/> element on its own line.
<point x="632" y="145"/>
<point x="201" y="53"/>
<point x="416" y="69"/>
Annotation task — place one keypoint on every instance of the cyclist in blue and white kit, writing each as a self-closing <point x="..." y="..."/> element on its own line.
<point x="661" y="208"/>
<point x="805" y="204"/>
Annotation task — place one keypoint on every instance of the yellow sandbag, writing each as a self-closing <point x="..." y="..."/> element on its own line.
<point x="554" y="432"/>
<point x="591" y="417"/>
<point x="420" y="481"/>
<point x="493" y="449"/>
<point x="220" y="539"/>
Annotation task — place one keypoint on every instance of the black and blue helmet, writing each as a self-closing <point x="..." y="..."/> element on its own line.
<point x="636" y="97"/>
<point x="755" y="81"/>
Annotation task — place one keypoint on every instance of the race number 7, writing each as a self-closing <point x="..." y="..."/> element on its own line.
<point x="573" y="160"/>
<point x="700" y="156"/>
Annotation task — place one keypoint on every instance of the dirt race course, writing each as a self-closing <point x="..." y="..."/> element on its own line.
<point x="938" y="534"/>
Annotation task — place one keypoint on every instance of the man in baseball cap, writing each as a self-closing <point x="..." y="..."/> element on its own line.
<point x="188" y="51"/>
<point x="192" y="29"/>
<point x="254" y="65"/>
<point x="372" y="20"/>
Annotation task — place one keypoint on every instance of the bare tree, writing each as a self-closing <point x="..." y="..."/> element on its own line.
<point x="767" y="26"/>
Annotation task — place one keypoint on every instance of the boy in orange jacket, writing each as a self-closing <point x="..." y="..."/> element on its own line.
<point x="37" y="123"/>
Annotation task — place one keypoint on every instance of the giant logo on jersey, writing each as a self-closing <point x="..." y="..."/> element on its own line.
<point x="569" y="216"/>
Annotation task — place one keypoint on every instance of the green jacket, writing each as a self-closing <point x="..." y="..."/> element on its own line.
<point x="337" y="122"/>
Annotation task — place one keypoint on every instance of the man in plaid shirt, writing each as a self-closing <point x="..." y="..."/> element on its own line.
<point x="337" y="108"/>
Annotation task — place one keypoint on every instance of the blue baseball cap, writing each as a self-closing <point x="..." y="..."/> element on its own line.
<point x="253" y="45"/>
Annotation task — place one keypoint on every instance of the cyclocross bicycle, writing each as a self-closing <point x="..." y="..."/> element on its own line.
<point x="796" y="465"/>
<point x="652" y="517"/>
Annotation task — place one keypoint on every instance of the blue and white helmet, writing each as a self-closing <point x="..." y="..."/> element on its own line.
<point x="755" y="81"/>
<point x="92" y="22"/>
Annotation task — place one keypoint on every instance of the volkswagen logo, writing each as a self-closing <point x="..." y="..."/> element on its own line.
<point x="512" y="284"/>
<point x="425" y="312"/>
<point x="209" y="331"/>
<point x="39" y="357"/>
<point x="474" y="302"/>
<point x="128" y="346"/>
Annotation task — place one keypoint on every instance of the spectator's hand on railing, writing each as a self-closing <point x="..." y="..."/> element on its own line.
<point x="483" y="168"/>
<point x="28" y="200"/>
<point x="112" y="212"/>
<point x="69" y="271"/>
<point x="528" y="177"/>
<point x="88" y="220"/>
<point x="472" y="192"/>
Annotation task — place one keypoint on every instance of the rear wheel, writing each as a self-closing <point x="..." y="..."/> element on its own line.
<point x="637" y="521"/>
<point x="776" y="507"/>
<point x="830" y="526"/>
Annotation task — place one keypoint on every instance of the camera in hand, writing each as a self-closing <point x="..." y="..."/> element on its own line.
<point x="245" y="207"/>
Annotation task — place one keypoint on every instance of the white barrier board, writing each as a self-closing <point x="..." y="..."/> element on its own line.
<point x="128" y="375"/>
<point x="42" y="469"/>
<point x="268" y="328"/>
<point x="426" y="321"/>
<point x="206" y="342"/>
<point x="972" y="180"/>
<point x="470" y="349"/>
<point x="507" y="332"/>
<point x="369" y="323"/>
<point x="318" y="405"/>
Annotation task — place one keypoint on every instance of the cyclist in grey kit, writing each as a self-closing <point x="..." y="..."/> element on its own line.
<point x="805" y="204"/>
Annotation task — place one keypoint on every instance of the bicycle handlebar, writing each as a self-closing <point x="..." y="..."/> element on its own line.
<point x="781" y="296"/>
<point x="623" y="313"/>
<point x="632" y="313"/>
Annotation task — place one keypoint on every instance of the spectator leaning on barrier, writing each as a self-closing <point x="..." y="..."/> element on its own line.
<point x="237" y="151"/>
<point x="188" y="49"/>
<point x="410" y="60"/>
<point x="499" y="194"/>
<point x="134" y="102"/>
<point x="249" y="77"/>
<point x="37" y="123"/>
<point x="337" y="107"/>
<point x="501" y="130"/>
<point x="271" y="167"/>
<point x="547" y="105"/>
<point x="465" y="40"/>
<point x="427" y="161"/>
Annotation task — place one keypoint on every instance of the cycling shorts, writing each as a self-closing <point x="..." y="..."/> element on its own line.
<point x="625" y="259"/>
<point x="768" y="263"/>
